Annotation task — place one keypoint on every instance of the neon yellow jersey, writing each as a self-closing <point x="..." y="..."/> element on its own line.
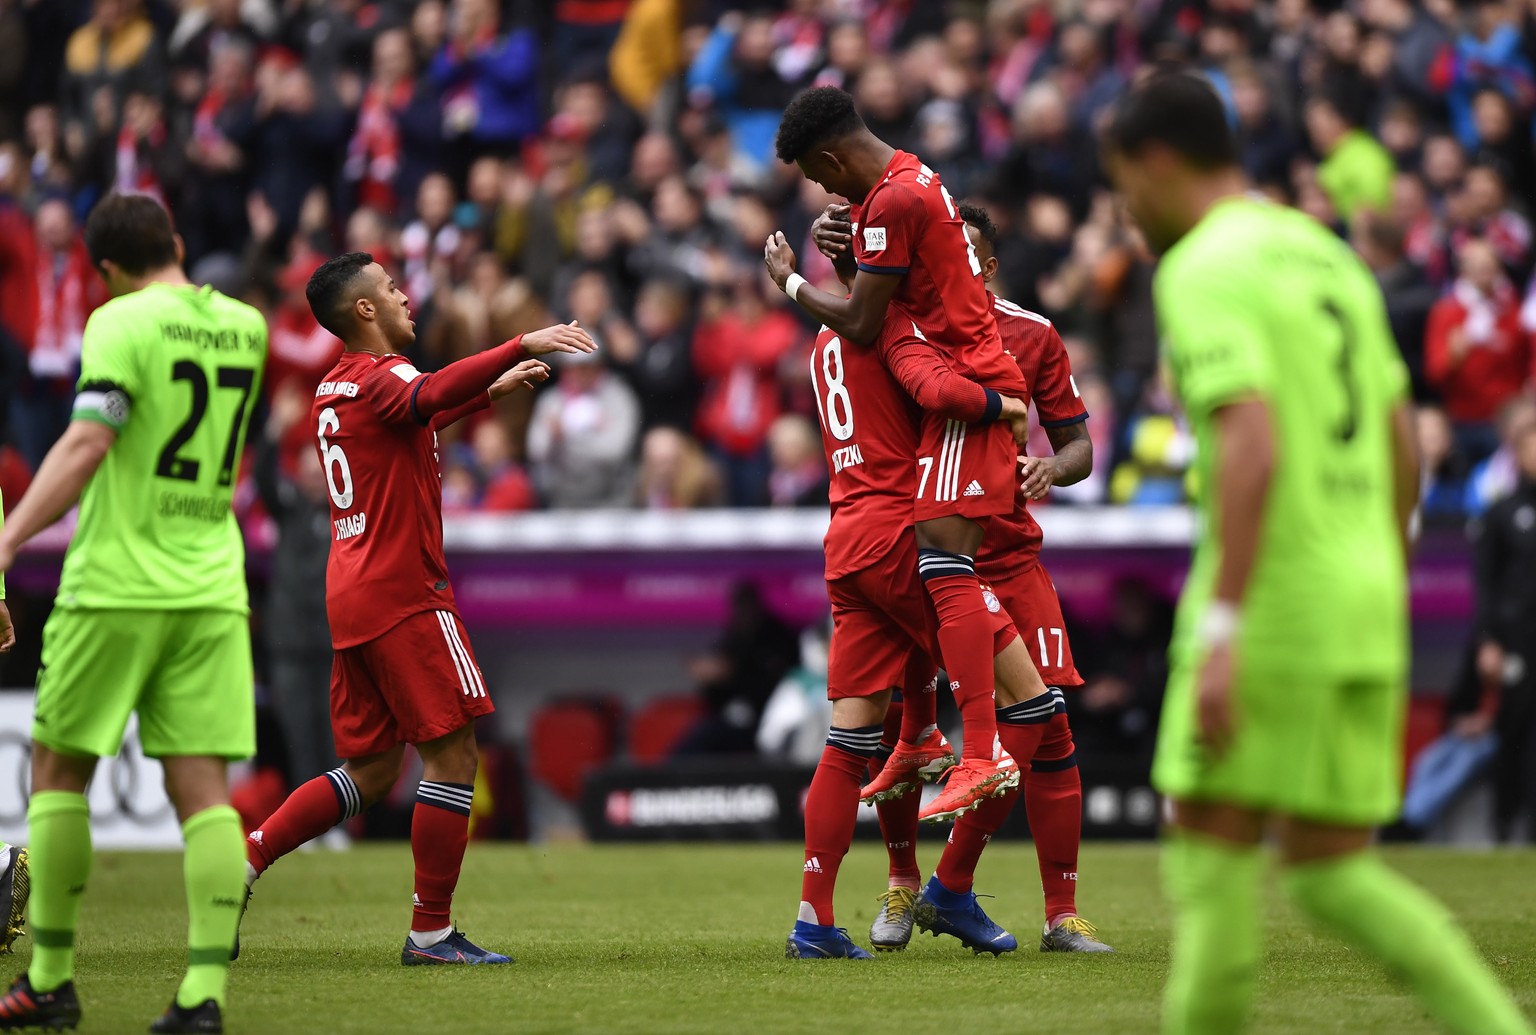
<point x="1262" y="301"/>
<point x="1358" y="174"/>
<point x="175" y="371"/>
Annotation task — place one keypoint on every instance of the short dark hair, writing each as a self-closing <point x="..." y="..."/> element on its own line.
<point x="1179" y="110"/>
<point x="977" y="216"/>
<point x="814" y="118"/>
<point x="1385" y="232"/>
<point x="1342" y="103"/>
<point x="133" y="231"/>
<point x="1494" y="166"/>
<point x="329" y="287"/>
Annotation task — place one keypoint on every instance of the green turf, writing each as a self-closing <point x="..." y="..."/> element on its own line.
<point x="681" y="939"/>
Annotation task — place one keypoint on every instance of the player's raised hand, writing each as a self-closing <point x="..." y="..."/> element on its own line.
<point x="833" y="232"/>
<point x="779" y="257"/>
<point x="1215" y="711"/>
<point x="7" y="631"/>
<point x="562" y="337"/>
<point x="526" y="374"/>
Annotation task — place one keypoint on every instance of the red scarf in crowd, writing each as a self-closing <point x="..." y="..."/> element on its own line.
<point x="205" y="127"/>
<point x="135" y="175"/>
<point x="373" y="157"/>
<point x="66" y="293"/>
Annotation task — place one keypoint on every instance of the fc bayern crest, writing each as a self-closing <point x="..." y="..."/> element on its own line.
<point x="991" y="599"/>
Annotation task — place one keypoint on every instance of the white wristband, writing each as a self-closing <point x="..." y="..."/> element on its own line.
<point x="793" y="285"/>
<point x="1218" y="625"/>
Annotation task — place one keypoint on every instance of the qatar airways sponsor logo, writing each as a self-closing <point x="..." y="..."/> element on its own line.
<point x="692" y="806"/>
<point x="350" y="526"/>
<point x="346" y="388"/>
<point x="847" y="456"/>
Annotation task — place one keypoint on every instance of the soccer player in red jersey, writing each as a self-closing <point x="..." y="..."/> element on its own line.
<point x="403" y="671"/>
<point x="885" y="634"/>
<point x="1009" y="562"/>
<point x="911" y="249"/>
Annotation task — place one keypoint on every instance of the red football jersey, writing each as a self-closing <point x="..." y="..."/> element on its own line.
<point x="869" y="430"/>
<point x="909" y="226"/>
<point x="381" y="467"/>
<point x="1013" y="541"/>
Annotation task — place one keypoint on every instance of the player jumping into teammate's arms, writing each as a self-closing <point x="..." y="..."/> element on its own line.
<point x="912" y="250"/>
<point x="403" y="671"/>
<point x="152" y="613"/>
<point x="1289" y="661"/>
<point x="884" y="634"/>
<point x="1009" y="564"/>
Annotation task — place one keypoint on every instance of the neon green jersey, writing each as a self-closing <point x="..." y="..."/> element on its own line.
<point x="175" y="371"/>
<point x="1262" y="301"/>
<point x="1358" y="174"/>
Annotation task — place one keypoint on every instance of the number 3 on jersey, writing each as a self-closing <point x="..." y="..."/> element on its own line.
<point x="837" y="409"/>
<point x="332" y="455"/>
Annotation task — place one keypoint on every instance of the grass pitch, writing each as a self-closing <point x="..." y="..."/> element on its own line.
<point x="689" y="939"/>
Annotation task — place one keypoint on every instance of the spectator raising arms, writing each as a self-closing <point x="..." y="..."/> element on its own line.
<point x="489" y="81"/>
<point x="1476" y="355"/>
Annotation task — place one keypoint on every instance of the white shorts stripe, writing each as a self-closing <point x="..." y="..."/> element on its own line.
<point x="938" y="477"/>
<point x="471" y="673"/>
<point x="954" y="466"/>
<point x="458" y="664"/>
<point x="946" y="458"/>
<point x="478" y="683"/>
<point x="474" y="669"/>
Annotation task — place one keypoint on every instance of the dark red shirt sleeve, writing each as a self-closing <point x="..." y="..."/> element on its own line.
<point x="1054" y="392"/>
<point x="889" y="234"/>
<point x="921" y="371"/>
<point x="399" y="392"/>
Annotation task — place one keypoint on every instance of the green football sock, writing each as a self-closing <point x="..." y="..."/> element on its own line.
<point x="1372" y="906"/>
<point x="215" y="876"/>
<point x="1214" y="886"/>
<point x="59" y="826"/>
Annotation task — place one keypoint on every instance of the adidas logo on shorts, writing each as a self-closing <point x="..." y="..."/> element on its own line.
<point x="975" y="489"/>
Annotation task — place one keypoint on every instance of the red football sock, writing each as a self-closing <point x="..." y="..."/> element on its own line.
<point x="1053" y="794"/>
<point x="831" y="810"/>
<point x="898" y="825"/>
<point x="918" y="708"/>
<point x="439" y="835"/>
<point x="965" y="637"/>
<point x="957" y="866"/>
<point x="313" y="808"/>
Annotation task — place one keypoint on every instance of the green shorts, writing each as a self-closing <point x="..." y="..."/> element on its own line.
<point x="1327" y="751"/>
<point x="186" y="673"/>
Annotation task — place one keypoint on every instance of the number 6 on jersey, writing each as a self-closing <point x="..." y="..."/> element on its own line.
<point x="333" y="456"/>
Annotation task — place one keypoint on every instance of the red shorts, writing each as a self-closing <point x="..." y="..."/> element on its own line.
<point x="1029" y="598"/>
<point x="417" y="682"/>
<point x="884" y="632"/>
<point x="970" y="470"/>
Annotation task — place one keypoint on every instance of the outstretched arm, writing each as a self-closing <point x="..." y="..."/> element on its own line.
<point x="525" y="375"/>
<point x="468" y="380"/>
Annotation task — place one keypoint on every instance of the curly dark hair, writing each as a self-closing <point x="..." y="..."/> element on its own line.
<point x="977" y="216"/>
<point x="328" y="290"/>
<point x="813" y="118"/>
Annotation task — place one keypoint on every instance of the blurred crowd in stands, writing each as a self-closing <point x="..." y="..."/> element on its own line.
<point x="611" y="161"/>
